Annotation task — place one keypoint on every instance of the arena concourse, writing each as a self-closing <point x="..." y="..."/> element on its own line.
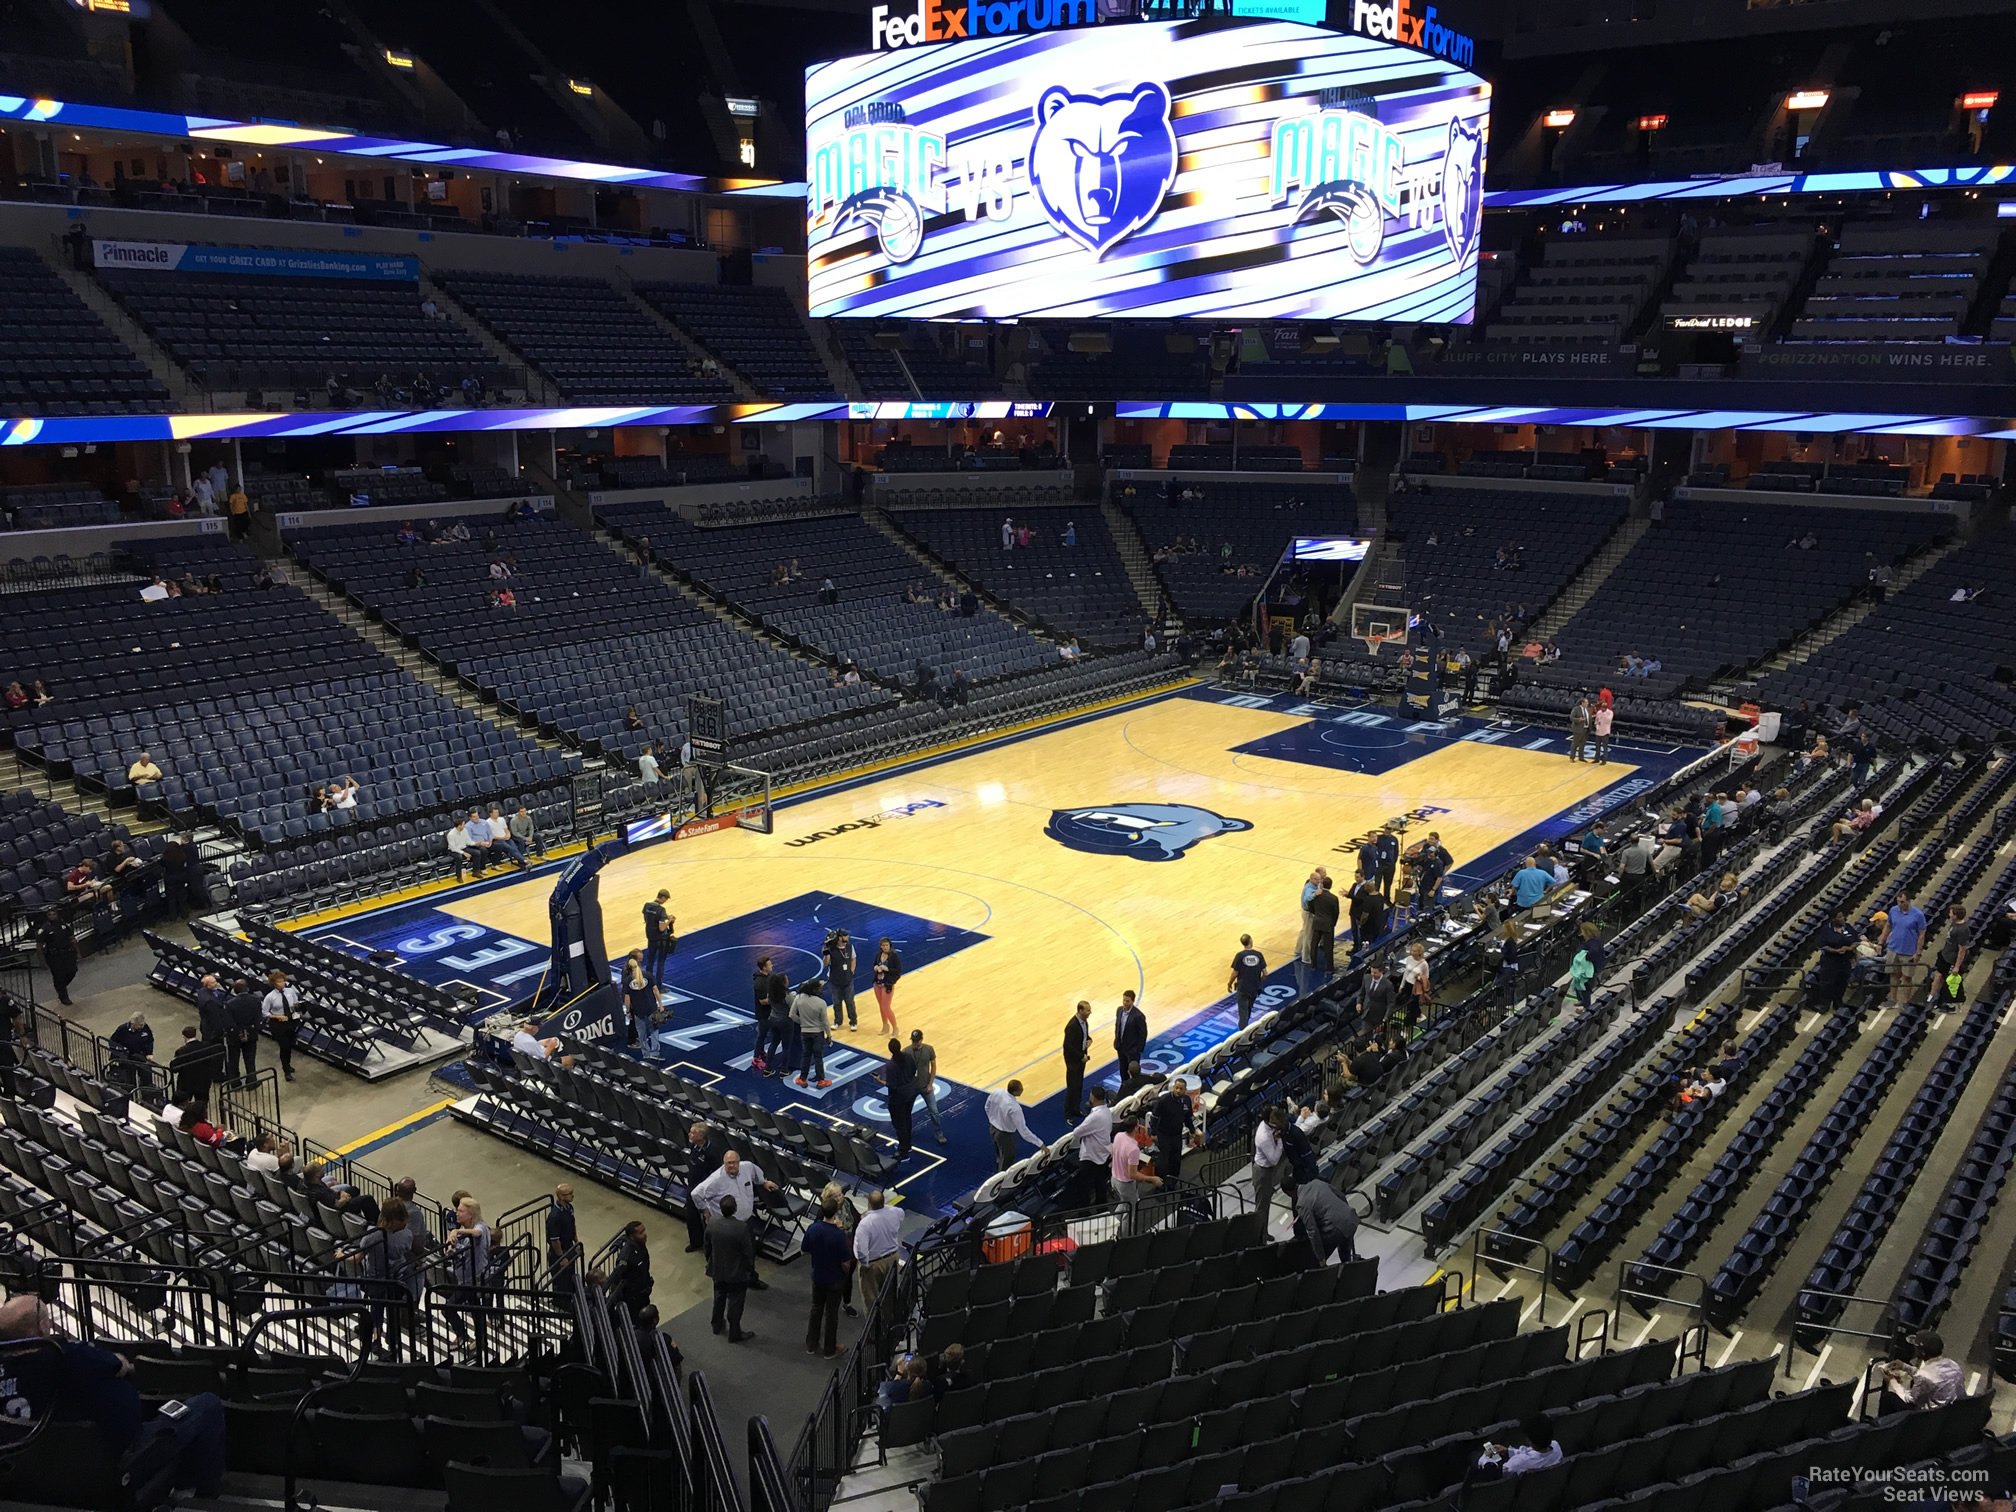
<point x="783" y="755"/>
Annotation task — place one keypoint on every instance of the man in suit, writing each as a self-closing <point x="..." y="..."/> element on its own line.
<point x="731" y="1265"/>
<point x="1077" y="1048"/>
<point x="704" y="1149"/>
<point x="1323" y="912"/>
<point x="1130" y="1040"/>
<point x="213" y="1017"/>
<point x="1172" y="1119"/>
<point x="245" y="1015"/>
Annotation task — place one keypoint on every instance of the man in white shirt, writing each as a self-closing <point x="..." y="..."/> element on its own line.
<point x="876" y="1245"/>
<point x="278" y="1010"/>
<point x="527" y="1042"/>
<point x="458" y="847"/>
<point x="737" y="1178"/>
<point x="346" y="793"/>
<point x="1298" y="648"/>
<point x="1094" y="1136"/>
<point x="1266" y="1163"/>
<point x="1006" y="1118"/>
<point x="647" y="766"/>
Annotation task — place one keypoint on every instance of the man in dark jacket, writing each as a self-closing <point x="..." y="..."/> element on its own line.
<point x="83" y="1384"/>
<point x="1172" y="1119"/>
<point x="731" y="1265"/>
<point x="244" y="1011"/>
<point x="194" y="1069"/>
<point x="899" y="1074"/>
<point x="1077" y="1048"/>
<point x="1323" y="915"/>
<point x="213" y="1015"/>
<point x="1130" y="1040"/>
<point x="1385" y="861"/>
<point x="1328" y="1221"/>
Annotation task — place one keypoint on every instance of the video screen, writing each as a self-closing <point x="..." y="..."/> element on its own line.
<point x="1210" y="168"/>
<point x="1329" y="549"/>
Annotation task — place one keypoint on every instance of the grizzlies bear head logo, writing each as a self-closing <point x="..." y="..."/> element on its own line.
<point x="1145" y="831"/>
<point x="1462" y="188"/>
<point x="1101" y="164"/>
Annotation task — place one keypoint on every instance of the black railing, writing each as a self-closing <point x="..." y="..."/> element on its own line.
<point x="769" y="1487"/>
<point x="714" y="1486"/>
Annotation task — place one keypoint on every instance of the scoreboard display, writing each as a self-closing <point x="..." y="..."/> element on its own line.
<point x="1215" y="167"/>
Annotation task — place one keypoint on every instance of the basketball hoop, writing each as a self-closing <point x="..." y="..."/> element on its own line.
<point x="1378" y="625"/>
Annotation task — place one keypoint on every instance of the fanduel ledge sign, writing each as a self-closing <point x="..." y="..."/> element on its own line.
<point x="1989" y="361"/>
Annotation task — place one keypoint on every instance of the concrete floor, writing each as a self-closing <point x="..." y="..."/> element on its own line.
<point x="337" y="1108"/>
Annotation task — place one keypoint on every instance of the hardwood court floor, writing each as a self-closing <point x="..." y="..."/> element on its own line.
<point x="966" y="843"/>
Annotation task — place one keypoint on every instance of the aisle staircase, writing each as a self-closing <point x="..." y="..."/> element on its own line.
<point x="1582" y="587"/>
<point x="1140" y="564"/>
<point x="1846" y="618"/>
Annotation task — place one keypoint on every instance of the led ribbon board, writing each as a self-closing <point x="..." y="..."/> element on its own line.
<point x="1256" y="169"/>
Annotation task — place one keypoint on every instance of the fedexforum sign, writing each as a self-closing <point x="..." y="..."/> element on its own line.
<point x="955" y="20"/>
<point x="1411" y="25"/>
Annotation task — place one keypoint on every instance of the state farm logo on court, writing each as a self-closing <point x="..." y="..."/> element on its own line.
<point x="1144" y="831"/>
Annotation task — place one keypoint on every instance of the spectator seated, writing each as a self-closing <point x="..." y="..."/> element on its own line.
<point x="257" y="332"/>
<point x="1213" y="552"/>
<point x="1720" y="585"/>
<point x="870" y="624"/>
<point x="1080" y="590"/>
<point x="755" y="331"/>
<point x="589" y="636"/>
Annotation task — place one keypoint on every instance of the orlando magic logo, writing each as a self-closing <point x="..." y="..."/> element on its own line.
<point x="1462" y="188"/>
<point x="892" y="215"/>
<point x="1101" y="164"/>
<point x="1145" y="831"/>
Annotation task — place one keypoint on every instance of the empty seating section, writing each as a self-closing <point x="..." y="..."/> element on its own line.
<point x="1921" y="664"/>
<point x="1903" y="1157"/>
<point x="1139" y="362"/>
<point x="1213" y="552"/>
<point x="1718" y="586"/>
<point x="872" y="625"/>
<point x="247" y="700"/>
<point x="49" y="506"/>
<point x="259" y="332"/>
<point x="56" y="356"/>
<point x="1897" y="283"/>
<point x="590" y="637"/>
<point x="753" y="330"/>
<point x="585" y="335"/>
<point x="1080" y="590"/>
<point x="1744" y="272"/>
<point x="1585" y="290"/>
<point x="918" y="366"/>
<point x="1453" y="537"/>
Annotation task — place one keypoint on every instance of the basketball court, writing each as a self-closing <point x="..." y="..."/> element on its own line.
<point x="1126" y="849"/>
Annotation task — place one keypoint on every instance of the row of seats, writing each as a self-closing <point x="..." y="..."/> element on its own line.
<point x="1878" y="1203"/>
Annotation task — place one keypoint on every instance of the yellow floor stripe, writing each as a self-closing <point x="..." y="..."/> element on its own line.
<point x="393" y="1128"/>
<point x="931" y="753"/>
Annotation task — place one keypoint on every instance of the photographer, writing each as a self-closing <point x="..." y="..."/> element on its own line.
<point x="839" y="953"/>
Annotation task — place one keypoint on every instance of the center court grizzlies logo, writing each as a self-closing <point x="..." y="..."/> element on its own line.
<point x="1145" y="831"/>
<point x="1462" y="188"/>
<point x="1100" y="164"/>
